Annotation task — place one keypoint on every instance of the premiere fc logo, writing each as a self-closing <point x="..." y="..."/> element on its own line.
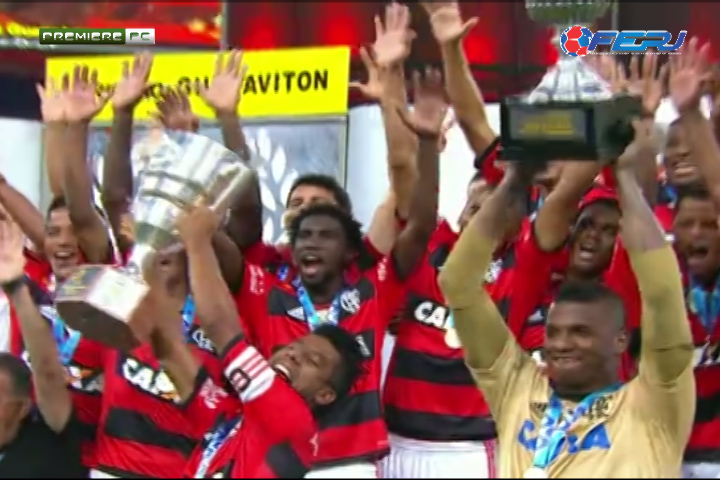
<point x="574" y="41"/>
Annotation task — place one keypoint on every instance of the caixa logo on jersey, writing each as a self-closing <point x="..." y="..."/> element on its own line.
<point x="578" y="41"/>
<point x="147" y="379"/>
<point x="197" y="337"/>
<point x="431" y="314"/>
<point x="79" y="378"/>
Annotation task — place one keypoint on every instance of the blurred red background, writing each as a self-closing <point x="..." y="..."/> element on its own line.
<point x="507" y="51"/>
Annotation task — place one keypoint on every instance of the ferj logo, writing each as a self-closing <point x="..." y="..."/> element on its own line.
<point x="578" y="41"/>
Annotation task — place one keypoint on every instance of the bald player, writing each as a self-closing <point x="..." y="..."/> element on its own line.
<point x="578" y="419"/>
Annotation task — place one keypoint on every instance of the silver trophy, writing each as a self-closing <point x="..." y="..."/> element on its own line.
<point x="100" y="300"/>
<point x="572" y="114"/>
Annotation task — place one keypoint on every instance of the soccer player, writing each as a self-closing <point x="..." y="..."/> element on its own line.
<point x="577" y="419"/>
<point x="271" y="431"/>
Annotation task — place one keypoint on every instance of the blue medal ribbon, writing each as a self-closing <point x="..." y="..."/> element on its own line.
<point x="311" y="316"/>
<point x="188" y="315"/>
<point x="66" y="339"/>
<point x="555" y="425"/>
<point x="215" y="442"/>
<point x="705" y="304"/>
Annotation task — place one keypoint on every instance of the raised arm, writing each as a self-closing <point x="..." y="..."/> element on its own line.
<point x="51" y="393"/>
<point x="465" y="96"/>
<point x="30" y="220"/>
<point x="491" y="353"/>
<point x="52" y="109"/>
<point x="665" y="370"/>
<point x="215" y="305"/>
<point x="82" y="104"/>
<point x="117" y="181"/>
<point x="426" y="121"/>
<point x="686" y="78"/>
<point x="553" y="221"/>
<point x="223" y="96"/>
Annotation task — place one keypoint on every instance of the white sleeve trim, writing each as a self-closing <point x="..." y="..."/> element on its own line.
<point x="250" y="374"/>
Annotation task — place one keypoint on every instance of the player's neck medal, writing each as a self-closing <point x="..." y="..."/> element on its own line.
<point x="535" y="472"/>
<point x="451" y="338"/>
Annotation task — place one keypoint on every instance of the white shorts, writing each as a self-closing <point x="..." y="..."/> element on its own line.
<point x="354" y="470"/>
<point x="701" y="470"/>
<point x="423" y="459"/>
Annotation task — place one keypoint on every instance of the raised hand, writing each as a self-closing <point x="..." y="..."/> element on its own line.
<point x="393" y="39"/>
<point x="374" y="88"/>
<point x="430" y="107"/>
<point x="12" y="259"/>
<point x="131" y="86"/>
<point x="223" y="94"/>
<point x="174" y="111"/>
<point x="446" y="21"/>
<point x="444" y="131"/>
<point x="647" y="82"/>
<point x="645" y="142"/>
<point x="197" y="225"/>
<point x="82" y="102"/>
<point x="689" y="71"/>
<point x="52" y="103"/>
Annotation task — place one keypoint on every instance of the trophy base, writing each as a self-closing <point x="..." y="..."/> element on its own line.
<point x="99" y="302"/>
<point x="597" y="130"/>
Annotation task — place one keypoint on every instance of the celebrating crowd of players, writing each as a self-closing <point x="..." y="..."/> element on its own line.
<point x="264" y="361"/>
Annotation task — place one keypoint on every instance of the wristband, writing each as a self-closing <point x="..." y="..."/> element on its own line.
<point x="13" y="285"/>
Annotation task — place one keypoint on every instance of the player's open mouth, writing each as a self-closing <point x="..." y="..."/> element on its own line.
<point x="65" y="258"/>
<point x="283" y="371"/>
<point x="310" y="263"/>
<point x="697" y="253"/>
<point x="587" y="251"/>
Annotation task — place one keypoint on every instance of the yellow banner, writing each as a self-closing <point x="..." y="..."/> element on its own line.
<point x="289" y="82"/>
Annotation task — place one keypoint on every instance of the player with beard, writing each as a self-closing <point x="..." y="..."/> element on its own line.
<point x="697" y="242"/>
<point x="269" y="430"/>
<point x="65" y="420"/>
<point x="385" y="84"/>
<point x="696" y="234"/>
<point x="577" y="417"/>
<point x="324" y="240"/>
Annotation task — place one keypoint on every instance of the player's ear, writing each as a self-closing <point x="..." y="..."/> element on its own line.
<point x="621" y="342"/>
<point x="325" y="396"/>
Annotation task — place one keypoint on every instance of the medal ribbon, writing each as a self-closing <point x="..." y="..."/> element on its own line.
<point x="216" y="441"/>
<point x="188" y="315"/>
<point x="66" y="339"/>
<point x="706" y="304"/>
<point x="554" y="426"/>
<point x="311" y="316"/>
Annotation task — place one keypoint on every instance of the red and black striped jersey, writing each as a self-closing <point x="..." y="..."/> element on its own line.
<point x="273" y="316"/>
<point x="429" y="393"/>
<point x="84" y="369"/>
<point x="267" y="431"/>
<point x="143" y="430"/>
<point x="704" y="443"/>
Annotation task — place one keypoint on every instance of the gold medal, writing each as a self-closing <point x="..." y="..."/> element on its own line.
<point x="451" y="338"/>
<point x="535" y="472"/>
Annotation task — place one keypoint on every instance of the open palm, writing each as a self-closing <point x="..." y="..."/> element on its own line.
<point x="12" y="260"/>
<point x="52" y="103"/>
<point x="134" y="81"/>
<point x="82" y="102"/>
<point x="223" y="93"/>
<point x="430" y="106"/>
<point x="393" y="38"/>
<point x="688" y="73"/>
<point x="446" y="21"/>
